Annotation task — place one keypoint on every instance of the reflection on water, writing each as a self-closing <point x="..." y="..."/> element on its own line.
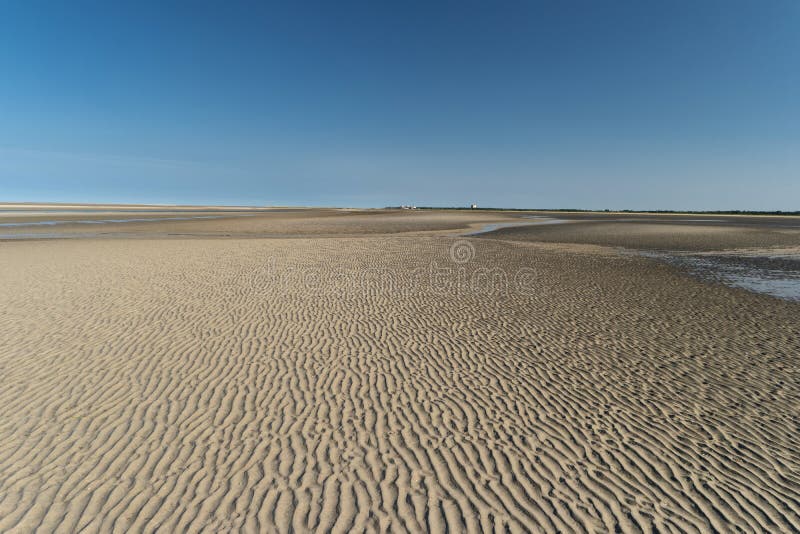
<point x="60" y="235"/>
<point x="497" y="226"/>
<point x="55" y="222"/>
<point x="775" y="275"/>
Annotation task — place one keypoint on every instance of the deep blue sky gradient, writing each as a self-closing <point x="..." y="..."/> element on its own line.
<point x="592" y="104"/>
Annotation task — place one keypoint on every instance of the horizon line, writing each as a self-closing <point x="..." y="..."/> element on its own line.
<point x="32" y="204"/>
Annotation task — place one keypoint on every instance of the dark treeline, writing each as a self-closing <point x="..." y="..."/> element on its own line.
<point x="716" y="212"/>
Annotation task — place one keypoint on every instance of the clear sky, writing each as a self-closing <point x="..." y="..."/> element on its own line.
<point x="591" y="104"/>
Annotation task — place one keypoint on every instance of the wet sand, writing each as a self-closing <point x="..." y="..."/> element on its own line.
<point x="664" y="232"/>
<point x="273" y="223"/>
<point x="375" y="371"/>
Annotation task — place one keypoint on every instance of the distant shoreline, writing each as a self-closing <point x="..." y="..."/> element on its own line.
<point x="611" y="212"/>
<point x="11" y="206"/>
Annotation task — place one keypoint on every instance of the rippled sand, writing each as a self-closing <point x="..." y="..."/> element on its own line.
<point x="395" y="382"/>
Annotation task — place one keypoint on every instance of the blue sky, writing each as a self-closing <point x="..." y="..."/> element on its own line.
<point x="591" y="104"/>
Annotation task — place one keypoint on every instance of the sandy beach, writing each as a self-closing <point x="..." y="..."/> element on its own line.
<point x="348" y="371"/>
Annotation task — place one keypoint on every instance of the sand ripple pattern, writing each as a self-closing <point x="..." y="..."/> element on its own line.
<point x="254" y="386"/>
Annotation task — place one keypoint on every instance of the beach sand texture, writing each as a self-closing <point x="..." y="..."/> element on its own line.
<point x="373" y="383"/>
